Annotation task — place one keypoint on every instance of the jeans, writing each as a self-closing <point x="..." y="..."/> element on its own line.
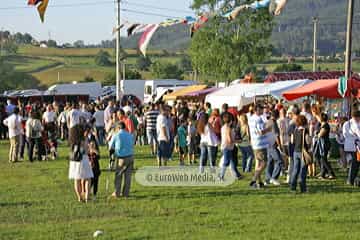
<point x="300" y="168"/>
<point x="203" y="156"/>
<point x="100" y="134"/>
<point x="354" y="168"/>
<point x="211" y="154"/>
<point x="247" y="158"/>
<point x="229" y="160"/>
<point x="32" y="143"/>
<point x="23" y="143"/>
<point x="325" y="166"/>
<point x="274" y="164"/>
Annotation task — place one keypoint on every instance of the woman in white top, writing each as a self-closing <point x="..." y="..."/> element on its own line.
<point x="80" y="169"/>
<point x="227" y="147"/>
<point x="33" y="135"/>
<point x="203" y="129"/>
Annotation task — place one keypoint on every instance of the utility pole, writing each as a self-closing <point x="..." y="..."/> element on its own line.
<point x="348" y="54"/>
<point x="315" y="21"/>
<point x="118" y="67"/>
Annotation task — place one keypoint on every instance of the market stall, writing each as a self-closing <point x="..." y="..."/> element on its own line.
<point x="176" y="95"/>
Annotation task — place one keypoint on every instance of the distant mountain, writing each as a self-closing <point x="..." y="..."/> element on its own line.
<point x="293" y="33"/>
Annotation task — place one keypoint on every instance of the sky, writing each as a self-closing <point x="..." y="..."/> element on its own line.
<point x="91" y="23"/>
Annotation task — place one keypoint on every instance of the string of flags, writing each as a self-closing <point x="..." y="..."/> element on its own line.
<point x="148" y="30"/>
<point x="41" y="7"/>
<point x="275" y="8"/>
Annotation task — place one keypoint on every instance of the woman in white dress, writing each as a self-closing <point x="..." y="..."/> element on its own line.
<point x="80" y="170"/>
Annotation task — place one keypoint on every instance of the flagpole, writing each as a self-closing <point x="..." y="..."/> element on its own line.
<point x="118" y="70"/>
<point x="350" y="18"/>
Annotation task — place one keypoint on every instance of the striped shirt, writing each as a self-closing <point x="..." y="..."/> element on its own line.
<point x="258" y="141"/>
<point x="150" y="118"/>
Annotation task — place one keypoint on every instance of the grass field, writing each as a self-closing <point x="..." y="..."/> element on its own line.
<point x="37" y="202"/>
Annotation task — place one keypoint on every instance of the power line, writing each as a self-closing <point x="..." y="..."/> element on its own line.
<point x="148" y="13"/>
<point x="158" y="8"/>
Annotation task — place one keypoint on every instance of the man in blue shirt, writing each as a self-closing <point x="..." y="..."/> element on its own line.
<point x="123" y="146"/>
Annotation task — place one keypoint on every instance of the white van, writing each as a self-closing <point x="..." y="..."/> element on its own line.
<point x="152" y="86"/>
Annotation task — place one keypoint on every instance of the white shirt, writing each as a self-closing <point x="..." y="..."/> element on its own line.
<point x="162" y="122"/>
<point x="99" y="118"/>
<point x="74" y="118"/>
<point x="49" y="117"/>
<point x="13" y="122"/>
<point x="107" y="116"/>
<point x="224" y="143"/>
<point x="211" y="138"/>
<point x="351" y="132"/>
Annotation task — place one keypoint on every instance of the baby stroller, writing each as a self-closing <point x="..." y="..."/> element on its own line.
<point x="50" y="145"/>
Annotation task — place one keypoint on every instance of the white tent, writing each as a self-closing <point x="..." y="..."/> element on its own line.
<point x="239" y="95"/>
<point x="234" y="95"/>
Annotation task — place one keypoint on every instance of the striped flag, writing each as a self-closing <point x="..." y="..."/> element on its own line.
<point x="40" y="7"/>
<point x="146" y="37"/>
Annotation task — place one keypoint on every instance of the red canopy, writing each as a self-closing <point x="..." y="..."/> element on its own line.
<point x="325" y="88"/>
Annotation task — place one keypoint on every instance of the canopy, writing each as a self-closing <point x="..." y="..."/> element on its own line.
<point x="179" y="93"/>
<point x="325" y="88"/>
<point x="234" y="95"/>
<point x="202" y="92"/>
<point x="276" y="89"/>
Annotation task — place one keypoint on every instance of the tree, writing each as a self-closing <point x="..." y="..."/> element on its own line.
<point x="9" y="47"/>
<point x="226" y="49"/>
<point x="185" y="63"/>
<point x="102" y="58"/>
<point x="51" y="43"/>
<point x="110" y="78"/>
<point x="292" y="67"/>
<point x="27" y="38"/>
<point x="143" y="63"/>
<point x="166" y="71"/>
<point x="11" y="79"/>
<point x="79" y="44"/>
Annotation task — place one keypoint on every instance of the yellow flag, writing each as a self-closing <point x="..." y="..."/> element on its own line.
<point x="42" y="9"/>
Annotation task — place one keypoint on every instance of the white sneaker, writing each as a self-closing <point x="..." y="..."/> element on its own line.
<point x="275" y="182"/>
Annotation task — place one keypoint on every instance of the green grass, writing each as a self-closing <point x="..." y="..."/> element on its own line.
<point x="37" y="202"/>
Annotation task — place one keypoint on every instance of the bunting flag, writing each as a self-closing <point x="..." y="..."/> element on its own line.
<point x="40" y="7"/>
<point x="146" y="37"/>
<point x="198" y="24"/>
<point x="131" y="29"/>
<point x="342" y="86"/>
<point x="275" y="8"/>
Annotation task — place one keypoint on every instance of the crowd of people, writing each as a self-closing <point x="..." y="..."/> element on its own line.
<point x="275" y="139"/>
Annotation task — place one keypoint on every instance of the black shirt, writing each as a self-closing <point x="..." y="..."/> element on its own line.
<point x="298" y="139"/>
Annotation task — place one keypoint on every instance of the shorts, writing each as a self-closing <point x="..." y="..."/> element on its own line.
<point x="183" y="150"/>
<point x="261" y="155"/>
<point x="192" y="148"/>
<point x="164" y="150"/>
<point x="151" y="136"/>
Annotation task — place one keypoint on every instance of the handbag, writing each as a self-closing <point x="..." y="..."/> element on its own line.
<point x="76" y="154"/>
<point x="307" y="157"/>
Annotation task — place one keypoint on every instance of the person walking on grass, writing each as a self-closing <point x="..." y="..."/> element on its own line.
<point x="13" y="122"/>
<point x="301" y="142"/>
<point x="182" y="135"/>
<point x="227" y="147"/>
<point x="123" y="146"/>
<point x="244" y="144"/>
<point x="150" y="122"/>
<point x="191" y="140"/>
<point x="163" y="134"/>
<point x="259" y="143"/>
<point x="33" y="134"/>
<point x="79" y="168"/>
<point x="94" y="158"/>
<point x="351" y="132"/>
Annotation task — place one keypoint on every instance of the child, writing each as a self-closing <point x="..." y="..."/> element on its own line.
<point x="181" y="132"/>
<point x="191" y="140"/>
<point x="94" y="163"/>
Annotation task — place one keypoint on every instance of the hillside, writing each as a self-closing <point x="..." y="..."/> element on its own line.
<point x="293" y="33"/>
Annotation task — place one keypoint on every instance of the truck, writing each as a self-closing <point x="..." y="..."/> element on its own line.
<point x="133" y="87"/>
<point x="154" y="87"/>
<point x="93" y="89"/>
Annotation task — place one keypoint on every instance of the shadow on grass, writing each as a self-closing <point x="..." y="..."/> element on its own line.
<point x="16" y="204"/>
